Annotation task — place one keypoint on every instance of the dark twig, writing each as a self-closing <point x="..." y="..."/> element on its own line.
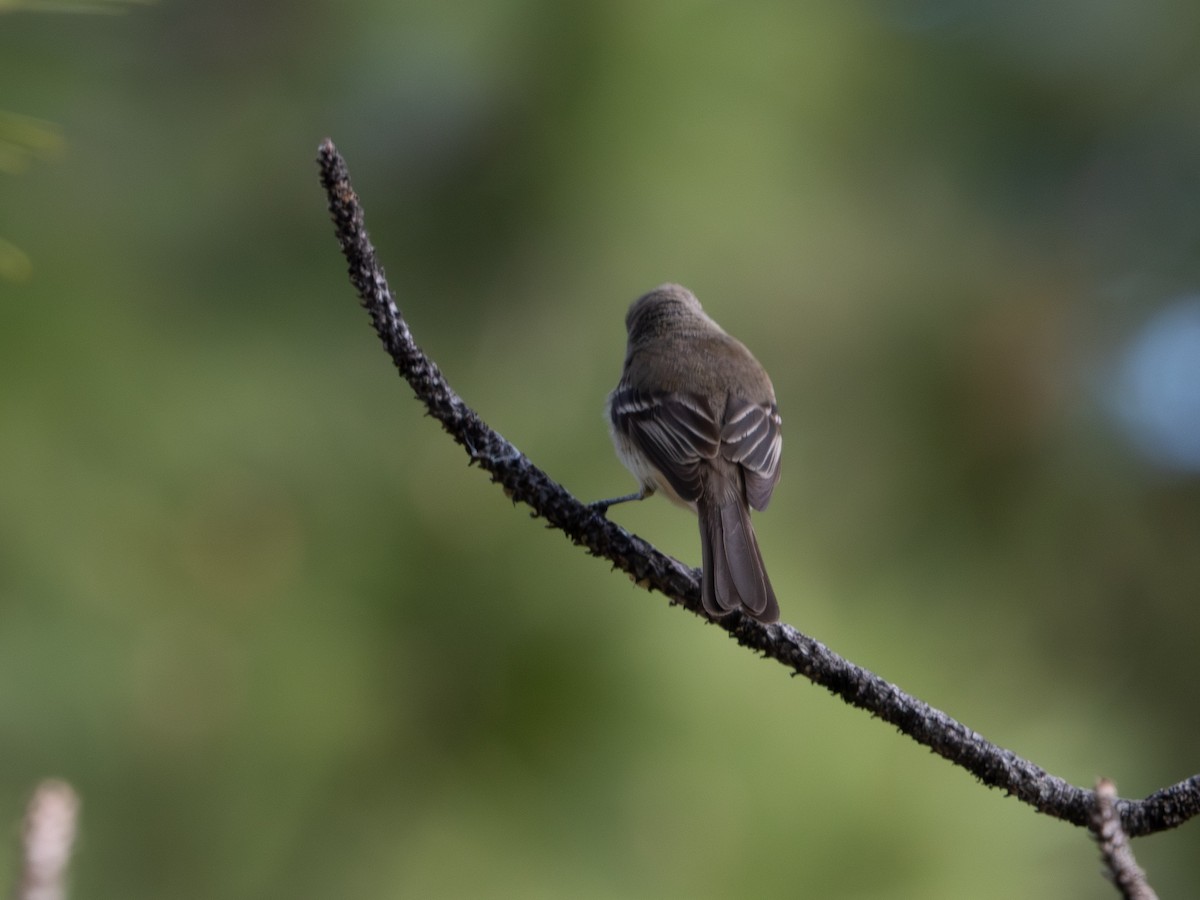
<point x="525" y="482"/>
<point x="1114" y="846"/>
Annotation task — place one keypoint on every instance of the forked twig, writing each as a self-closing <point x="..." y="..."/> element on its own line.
<point x="1118" y="857"/>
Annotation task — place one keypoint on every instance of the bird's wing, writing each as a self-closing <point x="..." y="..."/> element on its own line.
<point x="752" y="438"/>
<point x="676" y="432"/>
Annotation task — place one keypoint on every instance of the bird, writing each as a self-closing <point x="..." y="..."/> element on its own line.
<point x="694" y="417"/>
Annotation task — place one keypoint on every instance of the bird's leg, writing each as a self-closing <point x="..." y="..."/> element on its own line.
<point x="601" y="506"/>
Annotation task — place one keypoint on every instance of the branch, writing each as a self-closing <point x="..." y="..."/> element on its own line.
<point x="523" y="481"/>
<point x="47" y="837"/>
<point x="1114" y="846"/>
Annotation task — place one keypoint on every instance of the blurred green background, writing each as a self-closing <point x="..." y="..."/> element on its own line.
<point x="259" y="612"/>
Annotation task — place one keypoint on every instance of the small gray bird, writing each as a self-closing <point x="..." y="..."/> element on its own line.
<point x="694" y="416"/>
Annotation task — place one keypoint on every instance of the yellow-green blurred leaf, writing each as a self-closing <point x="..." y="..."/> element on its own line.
<point x="14" y="264"/>
<point x="24" y="138"/>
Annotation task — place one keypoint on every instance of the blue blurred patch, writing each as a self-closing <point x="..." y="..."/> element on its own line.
<point x="1158" y="387"/>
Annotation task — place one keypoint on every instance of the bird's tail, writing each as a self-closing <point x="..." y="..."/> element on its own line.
<point x="734" y="574"/>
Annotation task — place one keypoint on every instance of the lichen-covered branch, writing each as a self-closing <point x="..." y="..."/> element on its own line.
<point x="526" y="483"/>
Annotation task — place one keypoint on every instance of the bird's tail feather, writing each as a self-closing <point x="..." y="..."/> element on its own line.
<point x="734" y="574"/>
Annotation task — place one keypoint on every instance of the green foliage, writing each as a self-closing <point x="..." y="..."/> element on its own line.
<point x="284" y="642"/>
<point x="23" y="139"/>
<point x="70" y="6"/>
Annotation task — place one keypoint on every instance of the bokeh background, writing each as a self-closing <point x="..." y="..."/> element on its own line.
<point x="257" y="610"/>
